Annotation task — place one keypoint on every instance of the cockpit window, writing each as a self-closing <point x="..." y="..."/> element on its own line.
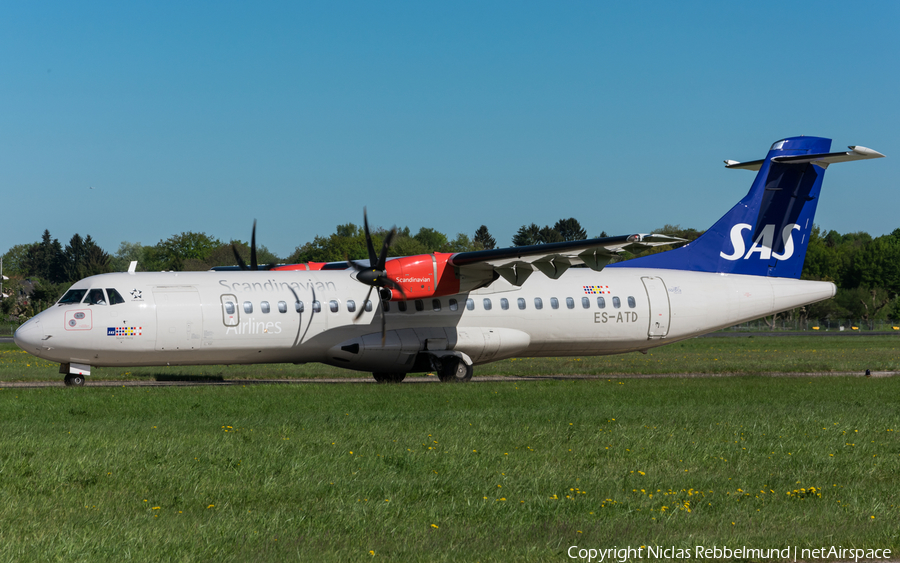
<point x="72" y="296"/>
<point x="95" y="297"/>
<point x="114" y="296"/>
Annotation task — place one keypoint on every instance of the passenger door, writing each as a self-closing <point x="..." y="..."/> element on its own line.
<point x="660" y="313"/>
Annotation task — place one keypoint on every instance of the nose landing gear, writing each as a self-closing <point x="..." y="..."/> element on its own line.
<point x="74" y="380"/>
<point x="74" y="374"/>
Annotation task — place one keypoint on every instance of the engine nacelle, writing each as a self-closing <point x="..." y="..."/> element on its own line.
<point x="422" y="276"/>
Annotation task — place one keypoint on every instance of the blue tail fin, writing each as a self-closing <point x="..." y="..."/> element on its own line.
<point x="767" y="232"/>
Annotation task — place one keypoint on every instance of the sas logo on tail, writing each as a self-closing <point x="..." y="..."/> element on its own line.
<point x="763" y="243"/>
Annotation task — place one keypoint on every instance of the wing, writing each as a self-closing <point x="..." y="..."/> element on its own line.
<point x="479" y="268"/>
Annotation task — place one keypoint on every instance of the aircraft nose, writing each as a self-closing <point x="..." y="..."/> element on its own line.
<point x="29" y="335"/>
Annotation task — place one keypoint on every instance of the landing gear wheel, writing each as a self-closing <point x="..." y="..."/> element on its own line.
<point x="74" y="380"/>
<point x="381" y="377"/>
<point x="454" y="369"/>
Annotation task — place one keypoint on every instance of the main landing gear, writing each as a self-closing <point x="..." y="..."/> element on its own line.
<point x="453" y="369"/>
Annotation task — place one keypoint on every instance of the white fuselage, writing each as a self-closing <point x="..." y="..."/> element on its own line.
<point x="172" y="318"/>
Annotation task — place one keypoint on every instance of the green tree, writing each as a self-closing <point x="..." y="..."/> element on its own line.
<point x="570" y="229"/>
<point x="461" y="243"/>
<point x="224" y="255"/>
<point x="877" y="264"/>
<point x="432" y="240"/>
<point x="43" y="295"/>
<point x="407" y="246"/>
<point x="14" y="259"/>
<point x="127" y="253"/>
<point x="527" y="235"/>
<point x="549" y="234"/>
<point x="483" y="237"/>
<point x="348" y="241"/>
<point x="45" y="260"/>
<point x="174" y="251"/>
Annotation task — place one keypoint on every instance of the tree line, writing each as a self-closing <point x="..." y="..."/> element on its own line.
<point x="866" y="270"/>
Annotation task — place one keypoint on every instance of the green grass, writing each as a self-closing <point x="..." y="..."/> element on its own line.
<point x="734" y="355"/>
<point x="487" y="472"/>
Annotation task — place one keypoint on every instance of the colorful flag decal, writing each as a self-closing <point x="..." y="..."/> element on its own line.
<point x="596" y="289"/>
<point x="124" y="331"/>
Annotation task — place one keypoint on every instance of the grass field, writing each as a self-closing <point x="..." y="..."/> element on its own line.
<point x="732" y="356"/>
<point x="485" y="472"/>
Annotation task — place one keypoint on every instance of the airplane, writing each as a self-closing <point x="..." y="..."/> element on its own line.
<point x="448" y="312"/>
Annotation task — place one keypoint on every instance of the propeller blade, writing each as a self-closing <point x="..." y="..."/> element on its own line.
<point x="237" y="256"/>
<point x="362" y="308"/>
<point x="383" y="324"/>
<point x="369" y="246"/>
<point x="253" y="264"/>
<point x="384" y="249"/>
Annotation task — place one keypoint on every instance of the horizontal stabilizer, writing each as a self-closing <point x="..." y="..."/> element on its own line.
<point x="823" y="160"/>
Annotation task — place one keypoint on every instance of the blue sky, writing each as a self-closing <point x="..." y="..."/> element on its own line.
<point x="203" y="116"/>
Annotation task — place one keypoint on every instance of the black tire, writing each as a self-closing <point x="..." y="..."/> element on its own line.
<point x="454" y="369"/>
<point x="382" y="377"/>
<point x="74" y="380"/>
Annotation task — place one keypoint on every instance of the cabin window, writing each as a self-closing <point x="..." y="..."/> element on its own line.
<point x="264" y="307"/>
<point x="386" y="306"/>
<point x="317" y="307"/>
<point x="538" y="303"/>
<point x="470" y="304"/>
<point x="114" y="296"/>
<point x="601" y="302"/>
<point x="282" y="307"/>
<point x="72" y="296"/>
<point x="454" y="305"/>
<point x="504" y="303"/>
<point x="96" y="297"/>
<point x="368" y="306"/>
<point x="229" y="307"/>
<point x="351" y="305"/>
<point x="334" y="306"/>
<point x="631" y="302"/>
<point x="420" y="305"/>
<point x="521" y="303"/>
<point x="554" y="302"/>
<point x="585" y="303"/>
<point x="298" y="306"/>
<point x="617" y="303"/>
<point x="570" y="303"/>
<point x="487" y="304"/>
<point x="436" y="304"/>
<point x="248" y="307"/>
<point x="401" y="306"/>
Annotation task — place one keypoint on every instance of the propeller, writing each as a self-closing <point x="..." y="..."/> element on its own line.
<point x="374" y="275"/>
<point x="253" y="264"/>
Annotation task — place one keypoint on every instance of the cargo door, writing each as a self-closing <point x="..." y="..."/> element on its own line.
<point x="179" y="318"/>
<point x="658" y="298"/>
